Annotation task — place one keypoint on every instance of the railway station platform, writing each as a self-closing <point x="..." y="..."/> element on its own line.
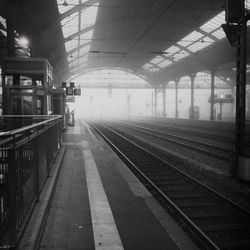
<point x="98" y="203"/>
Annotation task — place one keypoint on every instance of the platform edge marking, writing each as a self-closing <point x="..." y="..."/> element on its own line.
<point x="106" y="235"/>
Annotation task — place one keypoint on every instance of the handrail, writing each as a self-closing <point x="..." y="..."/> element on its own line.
<point x="27" y="153"/>
<point x="22" y="129"/>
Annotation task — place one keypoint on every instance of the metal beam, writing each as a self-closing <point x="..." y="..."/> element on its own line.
<point x="75" y="35"/>
<point x="77" y="8"/>
<point x="192" y="77"/>
<point x="176" y="98"/>
<point x="212" y="72"/>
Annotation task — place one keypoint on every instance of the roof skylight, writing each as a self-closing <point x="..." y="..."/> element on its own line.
<point x="77" y="26"/>
<point x="88" y="16"/>
<point x="247" y="4"/>
<point x="70" y="45"/>
<point x="171" y="50"/>
<point x="219" y="34"/>
<point x="194" y="41"/>
<point x="63" y="8"/>
<point x="154" y="69"/>
<point x="164" y="63"/>
<point x="84" y="50"/>
<point x="70" y="25"/>
<point x="180" y="55"/>
<point x="157" y="59"/>
<point x="73" y="56"/>
<point x="147" y="66"/>
<point x="200" y="44"/>
<point x="3" y="22"/>
<point x="86" y="37"/>
<point x="214" y="23"/>
<point x="192" y="37"/>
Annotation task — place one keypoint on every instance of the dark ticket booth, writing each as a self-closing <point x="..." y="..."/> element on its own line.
<point x="27" y="84"/>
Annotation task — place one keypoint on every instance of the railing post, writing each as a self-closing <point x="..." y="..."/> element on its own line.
<point x="36" y="169"/>
<point x="12" y="198"/>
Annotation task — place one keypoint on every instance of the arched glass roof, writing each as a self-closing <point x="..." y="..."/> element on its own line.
<point x="111" y="78"/>
<point x="207" y="34"/>
<point x="78" y="18"/>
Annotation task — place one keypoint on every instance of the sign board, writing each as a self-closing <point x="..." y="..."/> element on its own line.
<point x="70" y="98"/>
<point x="227" y="99"/>
<point x="77" y="91"/>
<point x="69" y="91"/>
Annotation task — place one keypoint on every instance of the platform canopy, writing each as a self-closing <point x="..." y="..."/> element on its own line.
<point x="162" y="40"/>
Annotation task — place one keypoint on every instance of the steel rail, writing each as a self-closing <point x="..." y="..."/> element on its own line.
<point x="194" y="227"/>
<point x="189" y="146"/>
<point x="217" y="155"/>
<point x="193" y="130"/>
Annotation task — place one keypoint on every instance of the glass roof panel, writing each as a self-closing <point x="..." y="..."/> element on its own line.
<point x="88" y="16"/>
<point x="180" y="55"/>
<point x="3" y="32"/>
<point x="147" y="66"/>
<point x="157" y="59"/>
<point x="83" y="59"/>
<point x="75" y="23"/>
<point x="247" y="4"/>
<point x="171" y="50"/>
<point x="70" y="25"/>
<point x="3" y="22"/>
<point x="201" y="44"/>
<point x="164" y="63"/>
<point x="70" y="4"/>
<point x="84" y="50"/>
<point x="73" y="64"/>
<point x="191" y="38"/>
<point x="219" y="34"/>
<point x="72" y="56"/>
<point x="70" y="45"/>
<point x="153" y="69"/>
<point x="86" y="37"/>
<point x="214" y="23"/>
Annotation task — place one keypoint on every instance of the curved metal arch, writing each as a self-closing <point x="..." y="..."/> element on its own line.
<point x="221" y="77"/>
<point x="85" y="71"/>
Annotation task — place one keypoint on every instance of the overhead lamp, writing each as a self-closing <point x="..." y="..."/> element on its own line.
<point x="65" y="3"/>
<point x="23" y="41"/>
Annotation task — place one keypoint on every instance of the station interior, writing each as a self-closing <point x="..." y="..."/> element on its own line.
<point x="125" y="124"/>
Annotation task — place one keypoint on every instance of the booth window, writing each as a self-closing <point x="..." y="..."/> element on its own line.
<point x="25" y="81"/>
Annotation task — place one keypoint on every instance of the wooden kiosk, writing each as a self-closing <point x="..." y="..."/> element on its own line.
<point x="27" y="84"/>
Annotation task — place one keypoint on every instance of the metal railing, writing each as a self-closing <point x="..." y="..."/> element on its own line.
<point x="26" y="156"/>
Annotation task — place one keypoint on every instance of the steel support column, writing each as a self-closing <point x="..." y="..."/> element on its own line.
<point x="176" y="99"/>
<point x="152" y="103"/>
<point x="164" y="100"/>
<point x="240" y="120"/>
<point x="212" y="72"/>
<point x="192" y="77"/>
<point x="155" y="103"/>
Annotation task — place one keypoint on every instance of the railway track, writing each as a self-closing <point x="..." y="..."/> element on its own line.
<point x="217" y="222"/>
<point x="221" y="152"/>
<point x="218" y="136"/>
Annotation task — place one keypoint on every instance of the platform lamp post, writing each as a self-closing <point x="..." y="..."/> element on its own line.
<point x="236" y="32"/>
